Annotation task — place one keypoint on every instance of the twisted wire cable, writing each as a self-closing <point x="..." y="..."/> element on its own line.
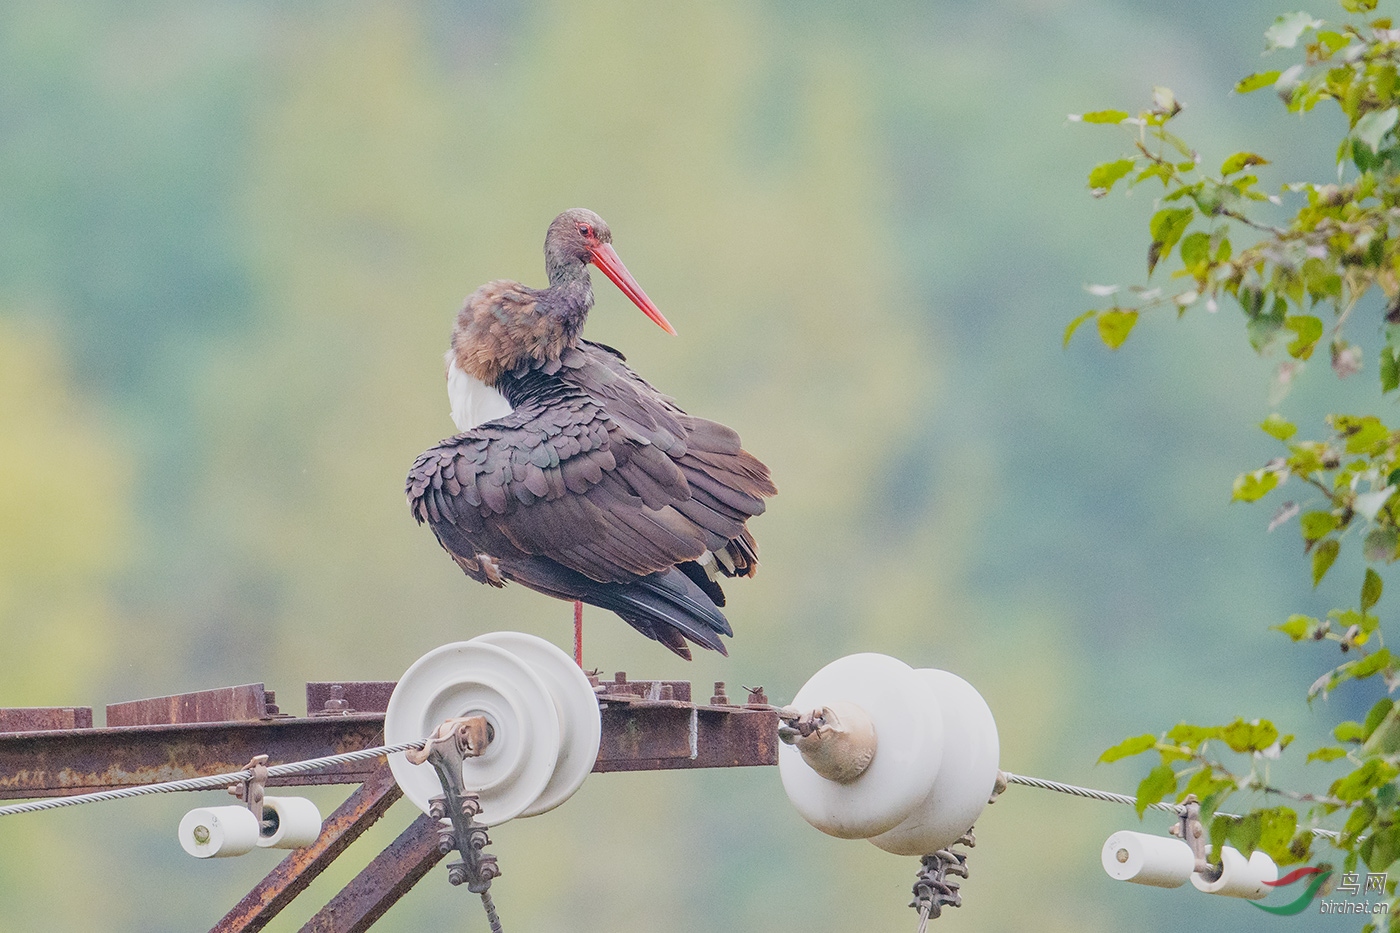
<point x="1092" y="794"/>
<point x="208" y="782"/>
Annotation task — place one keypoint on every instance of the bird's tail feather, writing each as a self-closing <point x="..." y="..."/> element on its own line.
<point x="667" y="606"/>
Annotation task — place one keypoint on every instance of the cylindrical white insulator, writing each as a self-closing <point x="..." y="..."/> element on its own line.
<point x="1240" y="877"/>
<point x="297" y="823"/>
<point x="966" y="774"/>
<point x="218" y="832"/>
<point x="1161" y="861"/>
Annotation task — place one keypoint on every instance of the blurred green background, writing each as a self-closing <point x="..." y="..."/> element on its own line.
<point x="232" y="241"/>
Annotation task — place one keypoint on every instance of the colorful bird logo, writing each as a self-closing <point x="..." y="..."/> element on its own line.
<point x="1319" y="878"/>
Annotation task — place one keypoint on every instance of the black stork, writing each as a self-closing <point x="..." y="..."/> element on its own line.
<point x="572" y="475"/>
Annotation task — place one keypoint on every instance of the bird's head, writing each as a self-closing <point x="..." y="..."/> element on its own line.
<point x="578" y="237"/>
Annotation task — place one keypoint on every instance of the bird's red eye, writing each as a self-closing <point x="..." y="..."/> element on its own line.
<point x="586" y="230"/>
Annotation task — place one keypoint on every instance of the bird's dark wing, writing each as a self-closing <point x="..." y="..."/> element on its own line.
<point x="726" y="484"/>
<point x="557" y="478"/>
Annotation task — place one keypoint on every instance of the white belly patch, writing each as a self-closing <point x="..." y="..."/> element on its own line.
<point x="473" y="402"/>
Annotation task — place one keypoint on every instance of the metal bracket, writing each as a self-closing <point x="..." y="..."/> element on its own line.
<point x="455" y="741"/>
<point x="932" y="889"/>
<point x="1189" y="828"/>
<point x="251" y="791"/>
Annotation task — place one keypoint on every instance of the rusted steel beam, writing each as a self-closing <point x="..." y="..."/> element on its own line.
<point x="45" y="718"/>
<point x="76" y="761"/>
<point x="357" y="814"/>
<point x="658" y="736"/>
<point x="223" y="704"/>
<point x="388" y="877"/>
<point x="639" y="734"/>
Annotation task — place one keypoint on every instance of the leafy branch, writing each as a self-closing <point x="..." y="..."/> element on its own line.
<point x="1285" y="258"/>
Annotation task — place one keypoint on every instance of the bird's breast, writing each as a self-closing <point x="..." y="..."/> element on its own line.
<point x="473" y="402"/>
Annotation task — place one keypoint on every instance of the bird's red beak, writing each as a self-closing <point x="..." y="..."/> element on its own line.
<point x="606" y="258"/>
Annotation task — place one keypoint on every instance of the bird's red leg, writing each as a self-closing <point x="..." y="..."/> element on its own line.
<point x="578" y="632"/>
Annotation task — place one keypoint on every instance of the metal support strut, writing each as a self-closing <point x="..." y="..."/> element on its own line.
<point x="455" y="741"/>
<point x="932" y="889"/>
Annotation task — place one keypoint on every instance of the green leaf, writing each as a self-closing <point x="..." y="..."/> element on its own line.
<point x="1365" y="434"/>
<point x="1287" y="29"/>
<point x="1160" y="782"/>
<point x="1205" y="785"/>
<point x="1361" y="817"/>
<point x="1244" y="736"/>
<point x="1250" y="487"/>
<point x="1316" y="525"/>
<point x="1374" y="125"/>
<point x="1074" y="324"/>
<point x="1381" y="848"/>
<point x="1322" y="559"/>
<point x="1103" y="176"/>
<point x="1255" y="81"/>
<point x="1115" y="325"/>
<point x="1371" y="774"/>
<point x="1184" y="733"/>
<point x="1327" y="753"/>
<point x="1332" y="41"/>
<point x="1245" y="833"/>
<point x="1349" y="731"/>
<point x="1380" y="544"/>
<point x="1390" y="369"/>
<point x="1242" y="160"/>
<point x="1129" y="747"/>
<point x="1298" y="627"/>
<point x="1371" y="589"/>
<point x="1276" y="830"/>
<point x="1384" y="735"/>
<point x="1101" y="116"/>
<point x="1195" y="250"/>
<point x="1275" y="425"/>
<point x="1308" y="330"/>
<point x="1166" y="227"/>
<point x="1371" y="665"/>
<point x="1377" y="715"/>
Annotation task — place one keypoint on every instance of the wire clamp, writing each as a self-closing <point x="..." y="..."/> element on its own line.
<point x="1188" y="828"/>
<point x="449" y="746"/>
<point x="251" y="791"/>
<point x="932" y="889"/>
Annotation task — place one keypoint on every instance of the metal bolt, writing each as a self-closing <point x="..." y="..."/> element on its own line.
<point x="457" y="873"/>
<point x="756" y="696"/>
<point x="667" y="692"/>
<point x="719" y="699"/>
<point x="620" y="677"/>
<point x="270" y="704"/>
<point x="437" y="808"/>
<point x="337" y="702"/>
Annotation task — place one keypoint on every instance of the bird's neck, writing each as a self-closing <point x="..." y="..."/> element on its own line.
<point x="506" y="327"/>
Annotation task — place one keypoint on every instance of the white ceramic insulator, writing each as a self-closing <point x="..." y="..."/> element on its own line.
<point x="580" y="722"/>
<point x="909" y="734"/>
<point x="1240" y="877"/>
<point x="1161" y="861"/>
<point x="966" y="775"/>
<point x="477" y="679"/>
<point x="298" y="823"/>
<point x="218" y="832"/>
